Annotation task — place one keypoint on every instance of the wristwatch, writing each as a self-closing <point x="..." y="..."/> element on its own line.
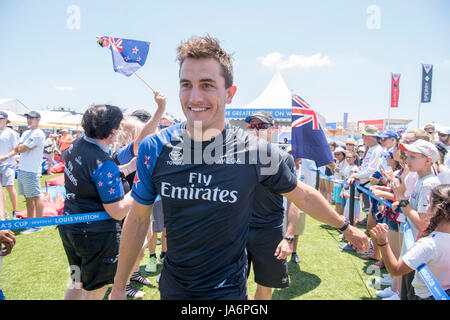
<point x="290" y="239"/>
<point x="344" y="227"/>
<point x="403" y="203"/>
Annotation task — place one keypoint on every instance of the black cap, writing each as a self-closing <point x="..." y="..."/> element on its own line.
<point x="441" y="147"/>
<point x="142" y="115"/>
<point x="264" y="116"/>
<point x="32" y="114"/>
<point x="4" y="115"/>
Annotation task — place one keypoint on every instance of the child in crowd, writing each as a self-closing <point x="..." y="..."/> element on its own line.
<point x="431" y="249"/>
<point x="345" y="193"/>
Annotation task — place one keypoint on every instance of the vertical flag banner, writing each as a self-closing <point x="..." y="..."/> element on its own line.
<point x="427" y="74"/>
<point x="345" y="120"/>
<point x="308" y="138"/>
<point x="128" y="56"/>
<point x="395" y="89"/>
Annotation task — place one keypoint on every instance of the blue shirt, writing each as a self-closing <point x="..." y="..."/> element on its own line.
<point x="206" y="204"/>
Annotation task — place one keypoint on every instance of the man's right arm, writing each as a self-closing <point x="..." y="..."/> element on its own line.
<point x="134" y="230"/>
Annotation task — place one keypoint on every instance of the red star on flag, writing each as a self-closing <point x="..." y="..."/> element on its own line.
<point x="138" y="59"/>
<point x="136" y="180"/>
<point x="109" y="175"/>
<point x="135" y="50"/>
<point x="146" y="161"/>
<point x="100" y="184"/>
<point x="111" y="191"/>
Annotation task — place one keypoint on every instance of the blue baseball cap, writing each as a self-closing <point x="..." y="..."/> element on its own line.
<point x="389" y="134"/>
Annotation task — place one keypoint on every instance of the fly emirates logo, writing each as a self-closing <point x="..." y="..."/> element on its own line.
<point x="191" y="192"/>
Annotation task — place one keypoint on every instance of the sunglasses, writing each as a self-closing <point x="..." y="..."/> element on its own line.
<point x="2" y="118"/>
<point x="349" y="144"/>
<point x="259" y="126"/>
<point x="442" y="134"/>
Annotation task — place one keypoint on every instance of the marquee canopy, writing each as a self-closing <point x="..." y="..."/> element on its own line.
<point x="276" y="99"/>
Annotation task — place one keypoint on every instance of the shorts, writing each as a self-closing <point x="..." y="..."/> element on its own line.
<point x="92" y="256"/>
<point x="29" y="184"/>
<point x="167" y="291"/>
<point x="394" y="226"/>
<point x="7" y="175"/>
<point x="158" y="217"/>
<point x="301" y="222"/>
<point x="261" y="246"/>
<point x="336" y="192"/>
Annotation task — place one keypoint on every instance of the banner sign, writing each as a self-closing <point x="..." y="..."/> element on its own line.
<point x="285" y="114"/>
<point x="395" y="89"/>
<point x="427" y="74"/>
<point x="379" y="124"/>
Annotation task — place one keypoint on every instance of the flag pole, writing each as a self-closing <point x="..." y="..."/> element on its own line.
<point x="144" y="81"/>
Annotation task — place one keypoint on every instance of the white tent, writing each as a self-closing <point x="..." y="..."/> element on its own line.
<point x="13" y="105"/>
<point x="276" y="99"/>
<point x="16" y="119"/>
<point x="59" y="120"/>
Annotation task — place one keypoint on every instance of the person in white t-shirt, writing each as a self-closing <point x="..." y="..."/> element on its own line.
<point x="8" y="140"/>
<point x="31" y="150"/>
<point x="370" y="165"/>
<point x="442" y="170"/>
<point x="444" y="137"/>
<point x="431" y="249"/>
<point x="420" y="158"/>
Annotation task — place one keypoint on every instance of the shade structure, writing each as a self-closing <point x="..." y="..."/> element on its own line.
<point x="276" y="98"/>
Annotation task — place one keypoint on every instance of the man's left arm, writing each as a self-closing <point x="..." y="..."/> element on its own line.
<point x="310" y="201"/>
<point x="285" y="246"/>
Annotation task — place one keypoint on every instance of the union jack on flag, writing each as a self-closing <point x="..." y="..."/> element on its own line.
<point x="303" y="114"/>
<point x="308" y="139"/>
<point x="127" y="55"/>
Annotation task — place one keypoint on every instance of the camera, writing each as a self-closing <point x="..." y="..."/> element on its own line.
<point x="379" y="215"/>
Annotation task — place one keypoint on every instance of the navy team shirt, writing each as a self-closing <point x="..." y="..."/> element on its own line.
<point x="91" y="179"/>
<point x="206" y="205"/>
<point x="268" y="208"/>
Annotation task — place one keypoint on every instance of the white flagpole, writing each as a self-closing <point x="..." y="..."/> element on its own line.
<point x="144" y="81"/>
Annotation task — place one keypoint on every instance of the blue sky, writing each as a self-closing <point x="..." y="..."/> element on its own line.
<point x="46" y="63"/>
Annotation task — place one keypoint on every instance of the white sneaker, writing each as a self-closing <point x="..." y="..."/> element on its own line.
<point x="386" y="281"/>
<point x="387" y="276"/>
<point x="394" y="297"/>
<point x="386" y="293"/>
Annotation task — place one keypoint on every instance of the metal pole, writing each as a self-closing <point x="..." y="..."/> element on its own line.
<point x="317" y="179"/>
<point x="418" y="117"/>
<point x="352" y="204"/>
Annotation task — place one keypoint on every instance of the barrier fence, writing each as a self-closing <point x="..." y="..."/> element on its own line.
<point x="435" y="288"/>
<point x="429" y="279"/>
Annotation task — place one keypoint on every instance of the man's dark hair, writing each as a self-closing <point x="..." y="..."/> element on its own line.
<point x="207" y="47"/>
<point x="100" y="120"/>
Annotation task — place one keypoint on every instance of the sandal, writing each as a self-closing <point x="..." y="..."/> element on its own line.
<point x="368" y="257"/>
<point x="378" y="265"/>
<point x="133" y="293"/>
<point x="140" y="278"/>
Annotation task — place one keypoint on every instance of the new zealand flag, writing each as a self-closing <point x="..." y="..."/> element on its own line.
<point x="127" y="55"/>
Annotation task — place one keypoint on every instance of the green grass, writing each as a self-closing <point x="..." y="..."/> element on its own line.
<point x="37" y="269"/>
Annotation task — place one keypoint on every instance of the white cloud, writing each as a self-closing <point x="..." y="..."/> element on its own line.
<point x="275" y="60"/>
<point x="59" y="88"/>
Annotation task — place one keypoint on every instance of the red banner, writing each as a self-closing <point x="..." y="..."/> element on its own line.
<point x="379" y="124"/>
<point x="395" y="89"/>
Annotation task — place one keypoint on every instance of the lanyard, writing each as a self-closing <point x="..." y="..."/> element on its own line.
<point x="95" y="142"/>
